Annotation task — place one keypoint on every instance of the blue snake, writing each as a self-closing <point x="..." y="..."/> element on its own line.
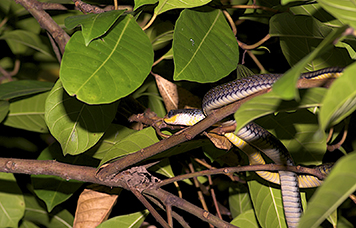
<point x="252" y="138"/>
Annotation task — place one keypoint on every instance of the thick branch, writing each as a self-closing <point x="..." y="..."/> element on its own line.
<point x="49" y="167"/>
<point x="46" y="22"/>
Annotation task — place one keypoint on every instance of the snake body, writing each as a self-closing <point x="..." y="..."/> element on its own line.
<point x="252" y="138"/>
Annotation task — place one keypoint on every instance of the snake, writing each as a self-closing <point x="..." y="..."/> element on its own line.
<point x="252" y="138"/>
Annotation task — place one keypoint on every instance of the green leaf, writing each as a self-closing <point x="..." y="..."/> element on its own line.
<point x="267" y="202"/>
<point x="342" y="10"/>
<point x="246" y="219"/>
<point x="130" y="144"/>
<point x="162" y="40"/>
<point x="133" y="220"/>
<point x="165" y="5"/>
<point x="336" y="188"/>
<point x="270" y="103"/>
<point x="110" y="67"/>
<point x="4" y="109"/>
<point x="35" y="212"/>
<point x="155" y="102"/>
<point x="164" y="168"/>
<point x="340" y="100"/>
<point x="5" y="5"/>
<point x="28" y="113"/>
<point x="316" y="11"/>
<point x="239" y="200"/>
<point x="204" y="47"/>
<point x="23" y="87"/>
<point x="285" y="87"/>
<point x="139" y="3"/>
<point x="28" y="224"/>
<point x="54" y="190"/>
<point x="12" y="205"/>
<point x="77" y="126"/>
<point x="28" y="39"/>
<point x="296" y="131"/>
<point x="299" y="34"/>
<point x="112" y="135"/>
<point x="93" y="25"/>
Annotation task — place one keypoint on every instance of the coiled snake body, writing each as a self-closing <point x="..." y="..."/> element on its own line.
<point x="252" y="138"/>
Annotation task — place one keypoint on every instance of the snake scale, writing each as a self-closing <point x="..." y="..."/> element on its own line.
<point x="252" y="138"/>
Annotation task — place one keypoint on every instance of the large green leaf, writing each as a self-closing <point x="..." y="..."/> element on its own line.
<point x="112" y="135"/>
<point x="342" y="10"/>
<point x="28" y="39"/>
<point x="139" y="3"/>
<point x="285" y="87"/>
<point x="165" y="5"/>
<point x="204" y="47"/>
<point x="4" y="109"/>
<point x="77" y="126"/>
<point x="133" y="220"/>
<point x="299" y="35"/>
<point x="28" y="224"/>
<point x="336" y="188"/>
<point x="316" y="11"/>
<point x="270" y="103"/>
<point x="108" y="68"/>
<point x="246" y="219"/>
<point x="35" y="212"/>
<point x="268" y="205"/>
<point x="54" y="190"/>
<point x="93" y="25"/>
<point x="28" y="113"/>
<point x="296" y="130"/>
<point x="340" y="101"/>
<point x="239" y="200"/>
<point x="131" y="143"/>
<point x="23" y="87"/>
<point x="164" y="168"/>
<point x="12" y="205"/>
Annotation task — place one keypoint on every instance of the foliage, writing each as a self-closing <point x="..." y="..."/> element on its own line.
<point x="77" y="111"/>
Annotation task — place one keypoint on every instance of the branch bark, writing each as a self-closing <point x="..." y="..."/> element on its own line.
<point x="46" y="22"/>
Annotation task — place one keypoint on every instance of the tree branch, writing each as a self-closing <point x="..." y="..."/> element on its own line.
<point x="46" y="22"/>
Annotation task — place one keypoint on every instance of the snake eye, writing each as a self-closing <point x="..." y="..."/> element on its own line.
<point x="170" y="114"/>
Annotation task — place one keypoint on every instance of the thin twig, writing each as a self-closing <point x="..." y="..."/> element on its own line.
<point x="331" y="148"/>
<point x="197" y="186"/>
<point x="213" y="196"/>
<point x="169" y="215"/>
<point x="168" y="198"/>
<point x="8" y="75"/>
<point x="268" y="167"/>
<point x="231" y="22"/>
<point x="251" y="7"/>
<point x="150" y="22"/>
<point x="255" y="45"/>
<point x="177" y="217"/>
<point x="253" y="57"/>
<point x="3" y="22"/>
<point x="150" y="208"/>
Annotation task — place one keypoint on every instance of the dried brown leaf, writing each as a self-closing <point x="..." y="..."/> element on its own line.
<point x="94" y="206"/>
<point x="168" y="91"/>
<point x="219" y="141"/>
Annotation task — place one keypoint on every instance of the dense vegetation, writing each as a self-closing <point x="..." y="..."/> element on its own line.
<point x="76" y="76"/>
